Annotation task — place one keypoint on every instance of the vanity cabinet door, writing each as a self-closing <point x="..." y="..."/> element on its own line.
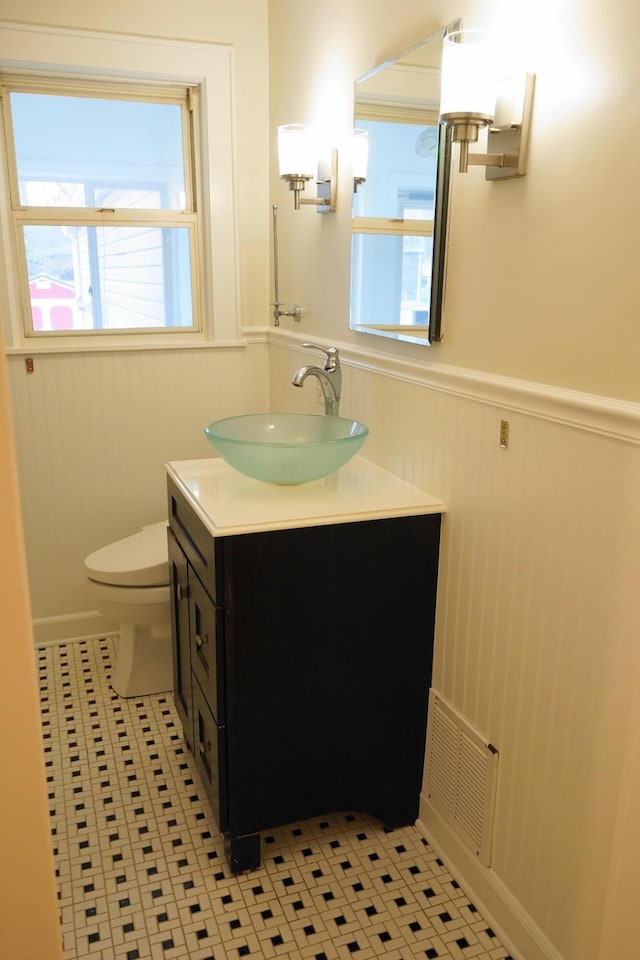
<point x="205" y="626"/>
<point x="210" y="754"/>
<point x="179" y="590"/>
<point x="199" y="547"/>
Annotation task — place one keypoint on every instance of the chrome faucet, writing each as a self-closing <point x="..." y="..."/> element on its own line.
<point x="330" y="377"/>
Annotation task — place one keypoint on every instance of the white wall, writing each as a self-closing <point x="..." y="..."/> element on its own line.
<point x="93" y="433"/>
<point x="537" y="623"/>
<point x="93" y="430"/>
<point x="538" y="611"/>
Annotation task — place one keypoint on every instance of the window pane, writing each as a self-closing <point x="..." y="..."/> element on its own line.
<point x="390" y="279"/>
<point x="108" y="278"/>
<point x="94" y="152"/>
<point x="401" y="176"/>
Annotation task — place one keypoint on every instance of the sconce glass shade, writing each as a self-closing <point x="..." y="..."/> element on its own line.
<point x="297" y="152"/>
<point x="360" y="155"/>
<point x="468" y="77"/>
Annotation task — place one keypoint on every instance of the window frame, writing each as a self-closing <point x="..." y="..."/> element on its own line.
<point x="50" y="58"/>
<point x="384" y="113"/>
<point x="398" y="226"/>
<point x="30" y="215"/>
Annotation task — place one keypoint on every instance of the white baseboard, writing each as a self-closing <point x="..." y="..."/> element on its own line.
<point x="48" y="631"/>
<point x="510" y="921"/>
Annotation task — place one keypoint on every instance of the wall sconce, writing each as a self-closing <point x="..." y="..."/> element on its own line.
<point x="473" y="96"/>
<point x="298" y="163"/>
<point x="360" y="157"/>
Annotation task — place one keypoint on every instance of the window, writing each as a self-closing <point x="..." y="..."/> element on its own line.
<point x="393" y="220"/>
<point x="102" y="201"/>
<point x="148" y="223"/>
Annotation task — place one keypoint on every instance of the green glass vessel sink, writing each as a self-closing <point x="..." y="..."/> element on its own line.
<point x="286" y="447"/>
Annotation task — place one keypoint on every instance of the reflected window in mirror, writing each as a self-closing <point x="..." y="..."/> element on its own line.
<point x="393" y="225"/>
<point x="399" y="212"/>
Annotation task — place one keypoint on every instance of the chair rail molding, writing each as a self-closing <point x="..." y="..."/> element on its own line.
<point x="606" y="416"/>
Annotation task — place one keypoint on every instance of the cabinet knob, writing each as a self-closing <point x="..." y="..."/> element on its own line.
<point x="182" y="591"/>
<point x="201" y="640"/>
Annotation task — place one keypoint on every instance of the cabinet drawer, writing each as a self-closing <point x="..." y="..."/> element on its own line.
<point x="210" y="754"/>
<point x="196" y="541"/>
<point x="207" y="648"/>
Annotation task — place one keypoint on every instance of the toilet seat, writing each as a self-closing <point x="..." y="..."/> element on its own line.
<point x="140" y="560"/>
<point x="141" y="596"/>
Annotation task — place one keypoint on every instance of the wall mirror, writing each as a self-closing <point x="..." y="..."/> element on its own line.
<point x="399" y="226"/>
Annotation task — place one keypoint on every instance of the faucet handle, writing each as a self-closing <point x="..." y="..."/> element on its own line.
<point x="333" y="357"/>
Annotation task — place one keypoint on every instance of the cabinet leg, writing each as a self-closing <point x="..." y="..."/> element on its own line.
<point x="402" y="815"/>
<point x="243" y="853"/>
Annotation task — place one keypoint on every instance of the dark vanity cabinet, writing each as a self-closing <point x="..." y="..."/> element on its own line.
<point x="198" y="648"/>
<point x="302" y="666"/>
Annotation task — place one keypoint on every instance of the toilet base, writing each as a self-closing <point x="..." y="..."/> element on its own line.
<point x="142" y="660"/>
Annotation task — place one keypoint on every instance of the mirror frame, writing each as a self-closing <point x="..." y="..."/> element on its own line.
<point x="440" y="216"/>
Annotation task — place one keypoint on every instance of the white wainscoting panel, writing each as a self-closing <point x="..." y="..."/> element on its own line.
<point x="93" y="432"/>
<point x="538" y="616"/>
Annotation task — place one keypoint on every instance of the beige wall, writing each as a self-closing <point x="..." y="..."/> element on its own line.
<point x="28" y="908"/>
<point x="538" y="613"/>
<point x="243" y="24"/>
<point x="542" y="280"/>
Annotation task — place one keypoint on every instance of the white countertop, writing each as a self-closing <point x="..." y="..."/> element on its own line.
<point x="229" y="503"/>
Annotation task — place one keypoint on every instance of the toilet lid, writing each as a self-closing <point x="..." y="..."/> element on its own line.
<point x="137" y="561"/>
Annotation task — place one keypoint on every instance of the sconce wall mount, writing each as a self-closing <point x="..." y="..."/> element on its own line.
<point x="359" y="157"/>
<point x="508" y="136"/>
<point x="327" y="184"/>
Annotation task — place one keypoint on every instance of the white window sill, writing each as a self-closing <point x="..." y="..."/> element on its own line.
<point x="40" y="348"/>
<point x="110" y="344"/>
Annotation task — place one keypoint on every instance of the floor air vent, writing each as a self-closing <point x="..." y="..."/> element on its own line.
<point x="461" y="776"/>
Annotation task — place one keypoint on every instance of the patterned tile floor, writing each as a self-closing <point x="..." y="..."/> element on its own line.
<point x="141" y="867"/>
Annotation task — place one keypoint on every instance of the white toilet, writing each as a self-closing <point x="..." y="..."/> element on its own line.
<point x="129" y="581"/>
